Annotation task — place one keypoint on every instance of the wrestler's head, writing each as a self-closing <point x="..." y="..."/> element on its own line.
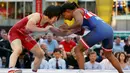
<point x="53" y="13"/>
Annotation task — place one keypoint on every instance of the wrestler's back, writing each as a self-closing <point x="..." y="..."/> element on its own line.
<point x="20" y="25"/>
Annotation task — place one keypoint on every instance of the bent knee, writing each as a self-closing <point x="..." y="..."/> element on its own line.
<point x="78" y="49"/>
<point x="40" y="54"/>
<point x="18" y="51"/>
<point x="108" y="54"/>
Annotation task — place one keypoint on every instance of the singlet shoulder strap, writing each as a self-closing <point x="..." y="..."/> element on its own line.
<point x="40" y="18"/>
<point x="82" y="10"/>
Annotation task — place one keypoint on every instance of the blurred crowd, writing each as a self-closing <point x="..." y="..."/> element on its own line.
<point x="59" y="53"/>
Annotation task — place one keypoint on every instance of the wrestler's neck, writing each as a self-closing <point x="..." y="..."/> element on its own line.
<point x="44" y="20"/>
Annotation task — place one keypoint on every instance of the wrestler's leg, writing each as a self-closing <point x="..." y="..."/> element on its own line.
<point x="39" y="54"/>
<point x="17" y="50"/>
<point x="114" y="61"/>
<point x="107" y="48"/>
<point x="85" y="43"/>
<point x="79" y="49"/>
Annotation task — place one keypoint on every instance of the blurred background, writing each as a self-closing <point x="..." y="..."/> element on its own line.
<point x="115" y="12"/>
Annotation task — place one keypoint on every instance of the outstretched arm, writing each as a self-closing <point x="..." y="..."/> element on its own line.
<point x="59" y="32"/>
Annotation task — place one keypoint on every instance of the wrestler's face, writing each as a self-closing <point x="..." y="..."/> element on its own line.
<point x="53" y="19"/>
<point x="68" y="14"/>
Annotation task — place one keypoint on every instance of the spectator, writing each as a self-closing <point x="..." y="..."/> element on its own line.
<point x="101" y="56"/>
<point x="117" y="54"/>
<point x="71" y="61"/>
<point x="106" y="65"/>
<point x="97" y="47"/>
<point x="45" y="49"/>
<point x="68" y="44"/>
<point x="4" y="62"/>
<point x="129" y="39"/>
<point x="44" y="36"/>
<point x="51" y="43"/>
<point x="117" y="45"/>
<point x="57" y="62"/>
<point x="59" y="39"/>
<point x="92" y="64"/>
<point x="127" y="47"/>
<point x="20" y="63"/>
<point x="39" y="39"/>
<point x="123" y="61"/>
<point x="5" y="47"/>
<point x="0" y="63"/>
<point x="76" y="39"/>
<point x="87" y="53"/>
<point x="62" y="51"/>
<point x="44" y="64"/>
<point x="27" y="59"/>
<point x="128" y="62"/>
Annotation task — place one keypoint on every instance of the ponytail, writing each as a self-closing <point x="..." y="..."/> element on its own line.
<point x="76" y="5"/>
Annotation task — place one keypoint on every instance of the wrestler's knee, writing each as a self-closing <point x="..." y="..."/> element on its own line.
<point x="17" y="51"/>
<point x="107" y="54"/>
<point x="40" y="54"/>
<point x="78" y="49"/>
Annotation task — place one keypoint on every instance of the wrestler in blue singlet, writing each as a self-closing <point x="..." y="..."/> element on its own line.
<point x="99" y="31"/>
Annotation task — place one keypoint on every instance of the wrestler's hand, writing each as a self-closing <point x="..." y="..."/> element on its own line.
<point x="63" y="30"/>
<point x="64" y="26"/>
<point x="48" y="27"/>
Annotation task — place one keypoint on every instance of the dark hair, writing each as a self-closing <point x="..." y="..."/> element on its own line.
<point x="92" y="52"/>
<point x="126" y="40"/>
<point x="125" y="60"/>
<point x="68" y="5"/>
<point x="52" y="11"/>
<point x="57" y="50"/>
<point x="118" y="37"/>
<point x="117" y="54"/>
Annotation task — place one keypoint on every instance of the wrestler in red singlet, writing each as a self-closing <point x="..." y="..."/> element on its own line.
<point x="18" y="31"/>
<point x="20" y="35"/>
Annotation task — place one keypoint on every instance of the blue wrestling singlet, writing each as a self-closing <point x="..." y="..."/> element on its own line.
<point x="99" y="31"/>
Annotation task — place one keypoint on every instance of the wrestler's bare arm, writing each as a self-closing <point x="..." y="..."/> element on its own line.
<point x="33" y="20"/>
<point x="78" y="19"/>
<point x="59" y="32"/>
